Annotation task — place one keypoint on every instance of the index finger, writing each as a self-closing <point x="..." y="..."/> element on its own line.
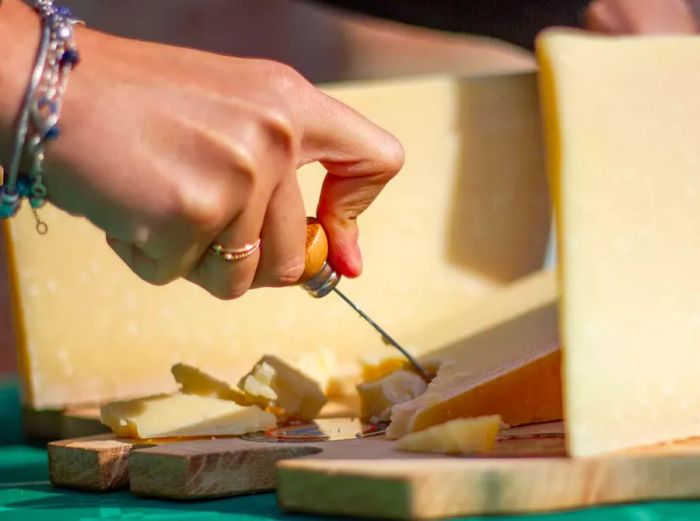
<point x="360" y="159"/>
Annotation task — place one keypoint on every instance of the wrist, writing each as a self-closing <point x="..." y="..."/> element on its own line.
<point x="19" y="34"/>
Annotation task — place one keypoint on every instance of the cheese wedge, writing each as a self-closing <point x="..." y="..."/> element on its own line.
<point x="622" y="123"/>
<point x="196" y="381"/>
<point x="461" y="436"/>
<point x="183" y="415"/>
<point x="511" y="369"/>
<point x="90" y="331"/>
<point x="378" y="397"/>
<point x="283" y="389"/>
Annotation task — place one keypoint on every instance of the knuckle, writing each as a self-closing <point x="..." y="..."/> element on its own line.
<point x="287" y="274"/>
<point x="277" y="127"/>
<point x="394" y="155"/>
<point x="205" y="208"/>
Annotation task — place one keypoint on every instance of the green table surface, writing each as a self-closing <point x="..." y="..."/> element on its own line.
<point x="27" y="495"/>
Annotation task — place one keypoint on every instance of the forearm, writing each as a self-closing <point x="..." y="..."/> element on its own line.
<point x="19" y="37"/>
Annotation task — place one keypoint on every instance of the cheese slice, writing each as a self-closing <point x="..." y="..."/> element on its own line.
<point x="623" y="123"/>
<point x="89" y="331"/>
<point x="378" y="397"/>
<point x="461" y="436"/>
<point x="511" y="369"/>
<point x="195" y="381"/>
<point x="183" y="415"/>
<point x="283" y="389"/>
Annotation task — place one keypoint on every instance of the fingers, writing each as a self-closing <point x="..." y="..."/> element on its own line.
<point x="360" y="159"/>
<point x="231" y="279"/>
<point x="283" y="237"/>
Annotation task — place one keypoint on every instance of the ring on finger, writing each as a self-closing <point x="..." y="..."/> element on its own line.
<point x="233" y="254"/>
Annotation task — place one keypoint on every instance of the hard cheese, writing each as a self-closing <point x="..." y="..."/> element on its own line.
<point x="378" y="397"/>
<point x="623" y="124"/>
<point x="460" y="436"/>
<point x="195" y="381"/>
<point x="277" y="386"/>
<point x="511" y="369"/>
<point x="180" y="415"/>
<point x="90" y="331"/>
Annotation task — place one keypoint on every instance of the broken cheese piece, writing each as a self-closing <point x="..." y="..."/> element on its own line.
<point x="461" y="436"/>
<point x="183" y="415"/>
<point x="511" y="369"/>
<point x="622" y="119"/>
<point x="376" y="368"/>
<point x="196" y="381"/>
<point x="287" y="391"/>
<point x="377" y="397"/>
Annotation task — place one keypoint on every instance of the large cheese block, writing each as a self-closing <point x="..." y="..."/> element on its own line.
<point x="623" y="124"/>
<point x="512" y="368"/>
<point x="462" y="220"/>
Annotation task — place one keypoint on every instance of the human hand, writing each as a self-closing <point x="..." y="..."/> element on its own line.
<point x="168" y="150"/>
<point x="641" y="16"/>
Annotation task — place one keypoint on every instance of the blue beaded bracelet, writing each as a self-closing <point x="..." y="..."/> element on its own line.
<point x="41" y="108"/>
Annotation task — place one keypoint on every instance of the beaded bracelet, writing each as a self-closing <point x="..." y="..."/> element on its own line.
<point x="37" y="123"/>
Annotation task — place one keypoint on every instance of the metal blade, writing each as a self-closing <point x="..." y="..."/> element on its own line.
<point x="387" y="338"/>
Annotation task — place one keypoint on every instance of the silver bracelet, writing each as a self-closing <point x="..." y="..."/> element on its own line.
<point x="37" y="123"/>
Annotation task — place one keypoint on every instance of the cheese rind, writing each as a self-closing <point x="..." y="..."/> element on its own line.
<point x="511" y="369"/>
<point x="461" y="436"/>
<point x="379" y="396"/>
<point x="278" y="386"/>
<point x="183" y="415"/>
<point x="622" y="118"/>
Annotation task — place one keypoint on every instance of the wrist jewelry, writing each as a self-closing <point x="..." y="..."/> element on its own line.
<point x="37" y="123"/>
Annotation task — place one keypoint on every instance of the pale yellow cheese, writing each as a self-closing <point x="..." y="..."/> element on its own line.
<point x="377" y="397"/>
<point x="90" y="331"/>
<point x="183" y="415"/>
<point x="283" y="389"/>
<point x="623" y="127"/>
<point x="376" y="367"/>
<point x="196" y="381"/>
<point x="511" y="368"/>
<point x="461" y="436"/>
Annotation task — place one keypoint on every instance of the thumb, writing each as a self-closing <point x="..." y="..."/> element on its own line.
<point x="360" y="159"/>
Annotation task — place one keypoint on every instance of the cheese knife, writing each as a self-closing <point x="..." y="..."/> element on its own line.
<point x="319" y="279"/>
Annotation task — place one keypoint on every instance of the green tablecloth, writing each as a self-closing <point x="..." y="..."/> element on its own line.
<point x="26" y="494"/>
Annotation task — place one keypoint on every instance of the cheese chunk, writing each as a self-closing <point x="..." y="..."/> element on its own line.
<point x="379" y="367"/>
<point x="461" y="436"/>
<point x="182" y="415"/>
<point x="511" y="369"/>
<point x="377" y="397"/>
<point x="196" y="381"/>
<point x="90" y="331"/>
<point x="288" y="392"/>
<point x="623" y="123"/>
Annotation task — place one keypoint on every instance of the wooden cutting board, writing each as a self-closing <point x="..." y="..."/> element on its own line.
<point x="528" y="471"/>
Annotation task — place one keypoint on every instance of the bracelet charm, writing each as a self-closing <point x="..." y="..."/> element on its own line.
<point x="41" y="109"/>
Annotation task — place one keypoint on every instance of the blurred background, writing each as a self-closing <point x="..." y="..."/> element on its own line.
<point x="326" y="45"/>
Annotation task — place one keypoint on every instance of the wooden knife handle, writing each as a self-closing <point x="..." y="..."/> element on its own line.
<point x="316" y="249"/>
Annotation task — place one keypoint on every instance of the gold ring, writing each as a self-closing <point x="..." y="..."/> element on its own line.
<point x="233" y="254"/>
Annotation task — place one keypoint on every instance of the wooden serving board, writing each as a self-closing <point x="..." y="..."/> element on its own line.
<point x="530" y="474"/>
<point x="528" y="471"/>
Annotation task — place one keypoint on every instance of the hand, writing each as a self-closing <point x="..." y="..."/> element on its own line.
<point x="169" y="149"/>
<point x="641" y="16"/>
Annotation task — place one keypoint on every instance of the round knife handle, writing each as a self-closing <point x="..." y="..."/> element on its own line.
<point x="319" y="278"/>
<point x="316" y="249"/>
